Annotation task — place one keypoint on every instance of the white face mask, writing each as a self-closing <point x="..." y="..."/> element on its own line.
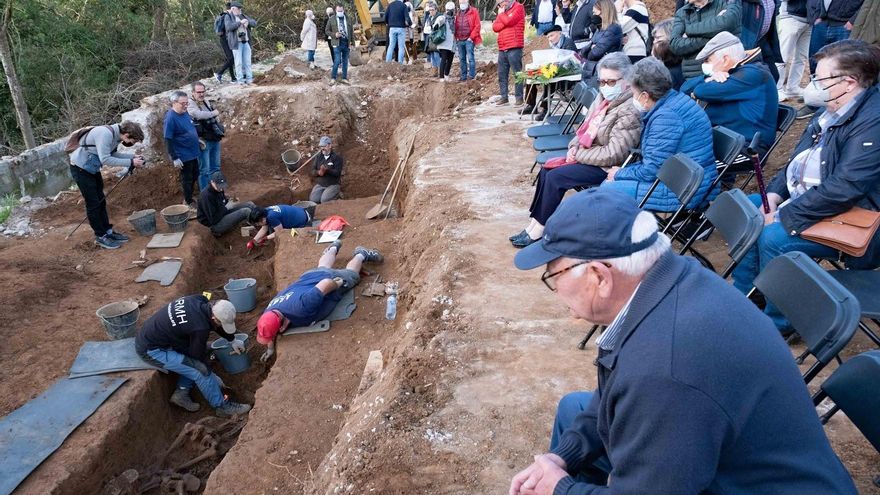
<point x="611" y="92"/>
<point x="463" y="5"/>
<point x="707" y="68"/>
<point x="638" y="105"/>
<point x="340" y="14"/>
<point x="817" y="96"/>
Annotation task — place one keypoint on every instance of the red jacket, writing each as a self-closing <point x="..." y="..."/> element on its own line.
<point x="473" y="18"/>
<point x="510" y="26"/>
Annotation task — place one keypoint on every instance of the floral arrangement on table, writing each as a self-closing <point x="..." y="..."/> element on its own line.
<point x="544" y="73"/>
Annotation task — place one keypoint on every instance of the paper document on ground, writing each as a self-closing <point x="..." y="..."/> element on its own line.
<point x="329" y="236"/>
<point x="97" y="358"/>
<point x="32" y="432"/>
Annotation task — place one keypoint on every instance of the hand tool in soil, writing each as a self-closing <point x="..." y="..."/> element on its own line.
<point x="401" y="174"/>
<point x="303" y="165"/>
<point x="104" y="200"/>
<point x="752" y="150"/>
<point x="382" y="208"/>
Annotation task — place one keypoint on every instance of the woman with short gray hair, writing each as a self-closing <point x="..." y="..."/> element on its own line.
<point x="610" y="129"/>
<point x="673" y="123"/>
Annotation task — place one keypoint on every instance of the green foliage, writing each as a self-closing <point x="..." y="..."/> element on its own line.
<point x="7" y="203"/>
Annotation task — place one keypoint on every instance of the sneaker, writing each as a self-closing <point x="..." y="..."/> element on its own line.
<point x="500" y="102"/>
<point x="524" y="241"/>
<point x="370" y="255"/>
<point x="518" y="234"/>
<point x="518" y="102"/>
<point x="311" y="65"/>
<point x="521" y="238"/>
<point x="116" y="236"/>
<point x="106" y="242"/>
<point x="805" y="112"/>
<point x="229" y="409"/>
<point x="783" y="95"/>
<point x="181" y="398"/>
<point x="335" y="244"/>
<point x="218" y="77"/>
<point x="345" y="81"/>
<point x="332" y="82"/>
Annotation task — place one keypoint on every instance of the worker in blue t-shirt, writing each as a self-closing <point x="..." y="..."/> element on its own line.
<point x="183" y="145"/>
<point x="313" y="296"/>
<point x="278" y="218"/>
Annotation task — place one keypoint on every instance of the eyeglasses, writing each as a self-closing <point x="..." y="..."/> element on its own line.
<point x="608" y="82"/>
<point x="199" y="92"/>
<point x="549" y="279"/>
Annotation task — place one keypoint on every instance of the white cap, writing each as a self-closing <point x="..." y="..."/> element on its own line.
<point x="450" y="6"/>
<point x="224" y="311"/>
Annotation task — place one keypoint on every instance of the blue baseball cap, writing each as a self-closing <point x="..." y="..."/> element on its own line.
<point x="591" y="225"/>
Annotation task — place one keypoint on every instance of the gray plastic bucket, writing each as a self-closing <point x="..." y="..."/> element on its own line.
<point x="143" y="221"/>
<point x="177" y="226"/>
<point x="119" y="319"/>
<point x="242" y="293"/>
<point x="232" y="363"/>
<point x="176" y="216"/>
<point x="291" y="159"/>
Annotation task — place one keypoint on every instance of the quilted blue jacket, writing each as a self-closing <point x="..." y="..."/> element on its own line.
<point x="676" y="124"/>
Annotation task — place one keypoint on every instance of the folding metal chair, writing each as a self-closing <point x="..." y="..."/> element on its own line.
<point x="819" y="308"/>
<point x="560" y="141"/>
<point x="865" y="285"/>
<point x="738" y="222"/>
<point x="563" y="126"/>
<point x="785" y="117"/>
<point x="855" y="389"/>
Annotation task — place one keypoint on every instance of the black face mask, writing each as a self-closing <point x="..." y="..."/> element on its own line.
<point x="596" y="21"/>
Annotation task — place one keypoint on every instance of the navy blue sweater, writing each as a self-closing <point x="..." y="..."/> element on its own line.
<point x="397" y="14"/>
<point x="700" y="396"/>
<point x="745" y="103"/>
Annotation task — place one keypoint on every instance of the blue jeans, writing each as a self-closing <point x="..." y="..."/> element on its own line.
<point x="340" y="57"/>
<point x="396" y="40"/>
<point x="311" y="55"/>
<point x="209" y="162"/>
<point x="509" y="60"/>
<point x="774" y="241"/>
<point x="208" y="385"/>
<point x="242" y="58"/>
<point x="568" y="409"/>
<point x="542" y="27"/>
<point x="434" y="58"/>
<point x="466" y="59"/>
<point x="822" y="35"/>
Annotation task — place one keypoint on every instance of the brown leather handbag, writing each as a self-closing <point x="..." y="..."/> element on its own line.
<point x="849" y="232"/>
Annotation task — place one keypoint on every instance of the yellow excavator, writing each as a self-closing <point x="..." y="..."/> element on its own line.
<point x="373" y="31"/>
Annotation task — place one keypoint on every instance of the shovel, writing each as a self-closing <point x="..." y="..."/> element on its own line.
<point x="382" y="208"/>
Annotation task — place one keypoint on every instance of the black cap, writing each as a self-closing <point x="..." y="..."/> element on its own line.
<point x="219" y="180"/>
<point x="553" y="29"/>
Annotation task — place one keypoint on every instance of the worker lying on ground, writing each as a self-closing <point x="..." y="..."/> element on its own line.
<point x="215" y="211"/>
<point x="278" y="218"/>
<point x="313" y="296"/>
<point x="175" y="339"/>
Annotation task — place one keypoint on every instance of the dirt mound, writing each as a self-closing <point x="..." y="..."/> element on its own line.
<point x="290" y="70"/>
<point x="660" y="9"/>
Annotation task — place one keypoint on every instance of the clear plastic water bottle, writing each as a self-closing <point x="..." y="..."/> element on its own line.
<point x="391" y="306"/>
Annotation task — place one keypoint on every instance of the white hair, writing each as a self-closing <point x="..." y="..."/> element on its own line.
<point x="638" y="263"/>
<point x="735" y="52"/>
<point x="176" y="95"/>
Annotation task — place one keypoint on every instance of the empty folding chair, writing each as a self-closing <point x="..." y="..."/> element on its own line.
<point x="560" y="141"/>
<point x="738" y="222"/>
<point x="819" y="308"/>
<point x="564" y="124"/>
<point x="865" y="285"/>
<point x="855" y="389"/>
<point x="557" y="119"/>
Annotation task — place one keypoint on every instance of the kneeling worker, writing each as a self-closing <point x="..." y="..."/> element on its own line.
<point x="312" y="297"/>
<point x="278" y="218"/>
<point x="213" y="210"/>
<point x="175" y="339"/>
<point x="327" y="173"/>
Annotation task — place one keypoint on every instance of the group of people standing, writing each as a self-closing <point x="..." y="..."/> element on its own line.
<point x="233" y="29"/>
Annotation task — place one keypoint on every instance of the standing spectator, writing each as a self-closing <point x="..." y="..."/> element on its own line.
<point x="309" y="37"/>
<point x="340" y="32"/>
<point x="330" y="14"/>
<point x="431" y="51"/>
<point x="467" y="36"/>
<point x="544" y="15"/>
<point x="607" y="38"/>
<point x="759" y="31"/>
<point x="510" y="24"/>
<point x="867" y="25"/>
<point x="635" y="23"/>
<point x="97" y="147"/>
<point x="696" y="23"/>
<point x="661" y="51"/>
<point x="210" y="132"/>
<point x="563" y="16"/>
<point x="220" y="30"/>
<point x="794" y="43"/>
<point x="446" y="22"/>
<point x="327" y="173"/>
<point x="182" y="143"/>
<point x="238" y="35"/>
<point x="412" y="51"/>
<point x="579" y="30"/>
<point x="397" y="18"/>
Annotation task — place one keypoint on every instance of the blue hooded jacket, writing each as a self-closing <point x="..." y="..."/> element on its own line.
<point x="676" y="124"/>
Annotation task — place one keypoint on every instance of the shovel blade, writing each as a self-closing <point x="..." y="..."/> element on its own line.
<point x="377" y="210"/>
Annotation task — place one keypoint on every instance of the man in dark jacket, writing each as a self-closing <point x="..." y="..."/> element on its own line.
<point x="832" y="168"/>
<point x="740" y="94"/>
<point x="696" y="23"/>
<point x="696" y="391"/>
<point x="580" y="23"/>
<point x="220" y="31"/>
<point x="175" y="339"/>
<point x="759" y="31"/>
<point x="214" y="211"/>
<point x="830" y="23"/>
<point x="327" y="173"/>
<point x="341" y="34"/>
<point x="397" y="18"/>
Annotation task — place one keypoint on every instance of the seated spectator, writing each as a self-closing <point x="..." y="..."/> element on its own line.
<point x="607" y="38"/>
<point x="277" y="218"/>
<point x="696" y="392"/>
<point x="610" y="129"/>
<point x="661" y="51"/>
<point x="556" y="40"/>
<point x="215" y="212"/>
<point x="832" y="168"/>
<point x="672" y="123"/>
<point x="739" y="94"/>
<point x="697" y="22"/>
<point x="635" y="23"/>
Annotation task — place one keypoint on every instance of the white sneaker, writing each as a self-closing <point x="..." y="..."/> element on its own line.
<point x="783" y="95"/>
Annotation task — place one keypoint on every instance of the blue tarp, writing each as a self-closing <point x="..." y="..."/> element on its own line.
<point x="97" y="358"/>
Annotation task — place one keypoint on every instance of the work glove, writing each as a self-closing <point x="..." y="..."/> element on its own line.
<point x="267" y="355"/>
<point x="238" y="347"/>
<point x="251" y="244"/>
<point x="339" y="282"/>
<point x="178" y="163"/>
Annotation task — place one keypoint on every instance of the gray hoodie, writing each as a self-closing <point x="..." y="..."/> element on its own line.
<point x="101" y="141"/>
<point x="232" y="23"/>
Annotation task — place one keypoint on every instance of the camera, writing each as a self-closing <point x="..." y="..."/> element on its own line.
<point x="242" y="35"/>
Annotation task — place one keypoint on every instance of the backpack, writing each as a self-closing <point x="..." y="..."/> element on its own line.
<point x="642" y="19"/>
<point x="77" y="136"/>
<point x="220" y="24"/>
<point x="438" y="35"/>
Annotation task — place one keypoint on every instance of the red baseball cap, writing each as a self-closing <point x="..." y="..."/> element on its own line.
<point x="268" y="326"/>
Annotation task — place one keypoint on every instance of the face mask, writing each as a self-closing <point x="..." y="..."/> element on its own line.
<point x="340" y="14"/>
<point x="596" y="20"/>
<point x="816" y="96"/>
<point x="638" y="104"/>
<point x="611" y="92"/>
<point x="707" y="69"/>
<point x="463" y="5"/>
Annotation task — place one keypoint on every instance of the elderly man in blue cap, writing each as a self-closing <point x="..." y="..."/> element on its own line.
<point x="697" y="392"/>
<point x="326" y="172"/>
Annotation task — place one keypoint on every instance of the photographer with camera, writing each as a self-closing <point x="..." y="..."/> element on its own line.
<point x="238" y="35"/>
<point x="210" y="132"/>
